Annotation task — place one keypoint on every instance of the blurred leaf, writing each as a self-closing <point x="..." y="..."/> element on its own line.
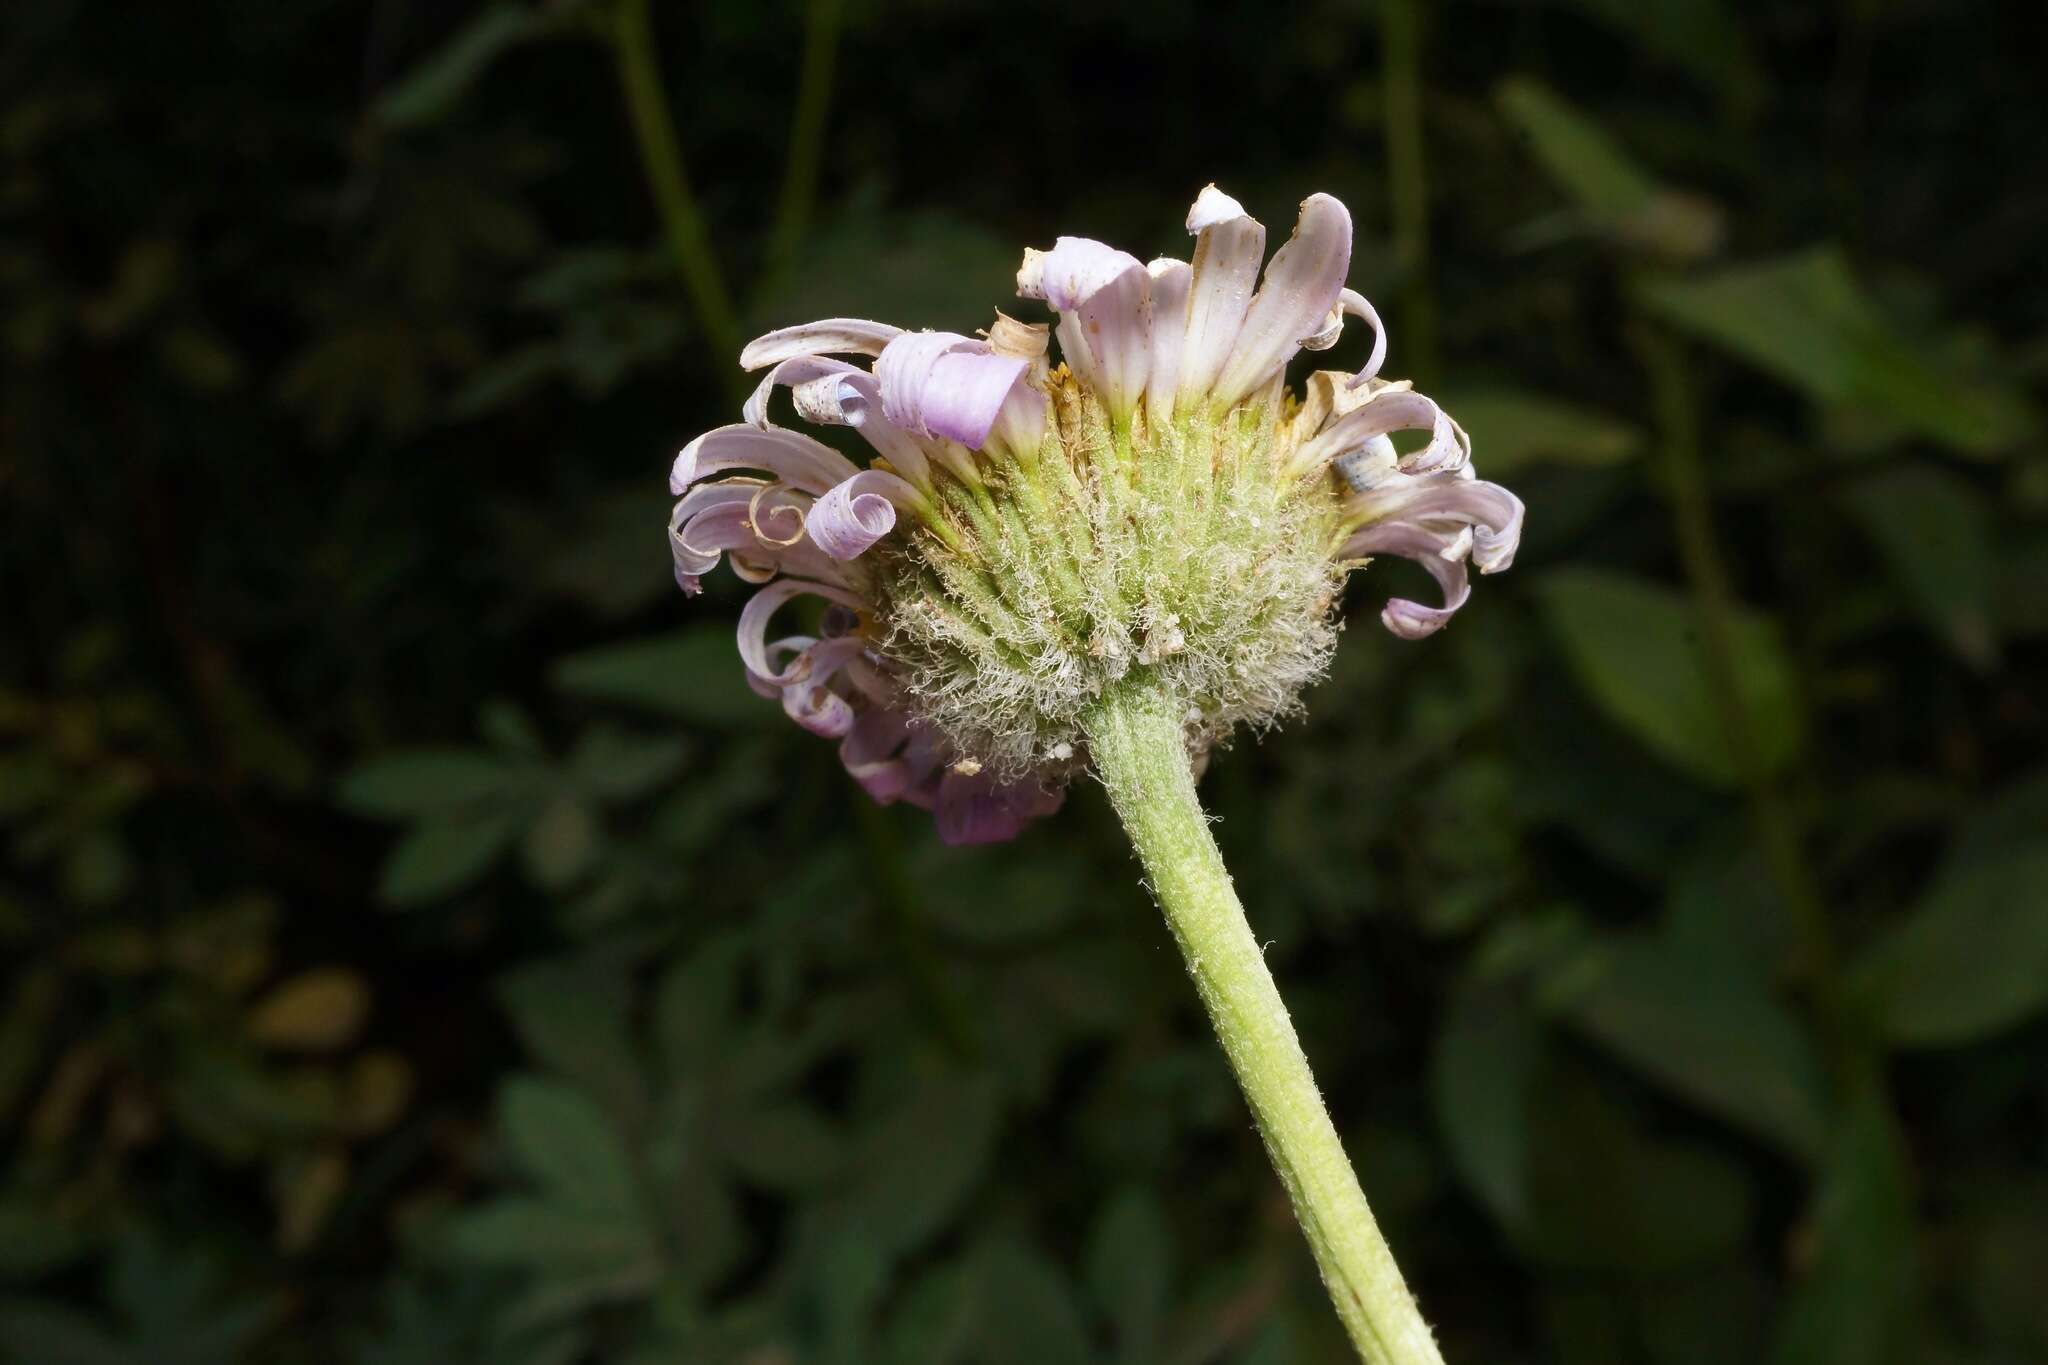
<point x="609" y="1255"/>
<point x="1006" y="1304"/>
<point x="316" y="1011"/>
<point x="1636" y="648"/>
<point x="560" y="843"/>
<point x="443" y="856"/>
<point x="1969" y="960"/>
<point x="616" y="767"/>
<point x="38" y="1235"/>
<point x="434" y="87"/>
<point x="1935" y="534"/>
<point x="1806" y="320"/>
<point x="1859" y="1289"/>
<point x="567" y="1145"/>
<point x="1614" y="193"/>
<point x="1512" y="429"/>
<point x="1606" y="1196"/>
<point x="1703" y="1025"/>
<point x="1699" y="36"/>
<point x="1128" y="1270"/>
<point x="572" y="1017"/>
<point x="429" y="782"/>
<point x="1483" y="1076"/>
<point x="693" y="675"/>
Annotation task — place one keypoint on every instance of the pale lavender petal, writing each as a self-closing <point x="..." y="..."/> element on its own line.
<point x="1170" y="280"/>
<point x="857" y="513"/>
<point x="1020" y="425"/>
<point x="1391" y="410"/>
<point x="761" y="609"/>
<point x="1229" y="245"/>
<point x="1074" y="271"/>
<point x="1446" y="503"/>
<point x="832" y="336"/>
<point x="790" y="456"/>
<point x="977" y="810"/>
<point x="796" y="374"/>
<point x="1301" y="287"/>
<point x="942" y="384"/>
<point x="965" y="395"/>
<point x="1351" y="302"/>
<point x="1103" y="297"/>
<point x="1408" y="619"/>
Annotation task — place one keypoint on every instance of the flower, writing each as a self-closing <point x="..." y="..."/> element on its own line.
<point x="1025" y="535"/>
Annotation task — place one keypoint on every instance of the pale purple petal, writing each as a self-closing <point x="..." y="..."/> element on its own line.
<point x="1074" y="271"/>
<point x="790" y="456"/>
<point x="1229" y="245"/>
<point x="1390" y="410"/>
<point x="965" y="395"/>
<point x="832" y="336"/>
<point x="1351" y="302"/>
<point x="796" y="374"/>
<point x="1301" y="287"/>
<point x="977" y="810"/>
<point x="1409" y="619"/>
<point x="942" y="384"/>
<point x="1170" y="280"/>
<point x="761" y="609"/>
<point x="855" y="514"/>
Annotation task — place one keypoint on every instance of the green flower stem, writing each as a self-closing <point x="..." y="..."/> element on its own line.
<point x="661" y="158"/>
<point x="1135" y="739"/>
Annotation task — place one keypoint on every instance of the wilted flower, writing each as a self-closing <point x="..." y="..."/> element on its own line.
<point x="1028" y="534"/>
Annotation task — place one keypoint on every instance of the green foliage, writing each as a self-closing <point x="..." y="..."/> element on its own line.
<point x="344" y="356"/>
<point x="1637" y="649"/>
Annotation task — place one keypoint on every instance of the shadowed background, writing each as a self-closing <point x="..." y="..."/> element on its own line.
<point x="420" y="947"/>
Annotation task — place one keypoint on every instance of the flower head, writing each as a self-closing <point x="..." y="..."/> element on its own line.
<point x="1025" y="535"/>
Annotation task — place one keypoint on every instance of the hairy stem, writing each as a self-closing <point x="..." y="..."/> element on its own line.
<point x="661" y="158"/>
<point x="1135" y="739"/>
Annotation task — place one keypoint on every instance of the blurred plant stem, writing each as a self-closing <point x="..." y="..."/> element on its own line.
<point x="1135" y="738"/>
<point x="806" y="132"/>
<point x="1408" y="180"/>
<point x="1777" y="824"/>
<point x="662" y="160"/>
<point x="944" y="1014"/>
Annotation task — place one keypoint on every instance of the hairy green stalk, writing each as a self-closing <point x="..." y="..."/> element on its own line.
<point x="1135" y="736"/>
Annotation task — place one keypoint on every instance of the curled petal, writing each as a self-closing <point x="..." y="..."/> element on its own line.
<point x="808" y="698"/>
<point x="1025" y="340"/>
<point x="1229" y="243"/>
<point x="890" y="758"/>
<point x="832" y="336"/>
<point x="859" y="512"/>
<point x="1409" y="619"/>
<point x="1387" y="410"/>
<point x="796" y="374"/>
<point x="1351" y="302"/>
<point x="942" y="384"/>
<point x="1170" y="280"/>
<point x="1104" y="298"/>
<point x="761" y="609"/>
<point x="1447" y="504"/>
<point x="1301" y="287"/>
<point x="790" y="456"/>
<point x="742" y="522"/>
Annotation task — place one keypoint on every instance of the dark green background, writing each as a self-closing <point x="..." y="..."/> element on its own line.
<point x="420" y="947"/>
